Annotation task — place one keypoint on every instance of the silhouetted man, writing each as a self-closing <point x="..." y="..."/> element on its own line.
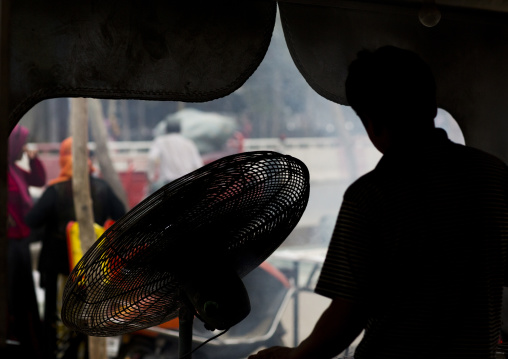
<point x="418" y="254"/>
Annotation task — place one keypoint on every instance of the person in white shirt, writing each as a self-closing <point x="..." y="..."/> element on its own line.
<point x="171" y="156"/>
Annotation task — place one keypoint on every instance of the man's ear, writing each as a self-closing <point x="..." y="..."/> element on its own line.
<point x="377" y="128"/>
<point x="374" y="126"/>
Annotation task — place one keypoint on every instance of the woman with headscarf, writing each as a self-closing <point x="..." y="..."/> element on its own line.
<point x="24" y="325"/>
<point x="53" y="211"/>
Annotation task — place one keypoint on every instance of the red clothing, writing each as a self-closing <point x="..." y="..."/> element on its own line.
<point x="18" y="200"/>
<point x="24" y="322"/>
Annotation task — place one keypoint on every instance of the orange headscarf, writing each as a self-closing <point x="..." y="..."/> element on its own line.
<point x="66" y="162"/>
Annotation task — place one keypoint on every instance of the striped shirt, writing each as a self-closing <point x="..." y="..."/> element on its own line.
<point x="421" y="241"/>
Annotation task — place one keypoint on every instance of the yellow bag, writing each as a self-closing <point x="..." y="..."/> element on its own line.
<point x="74" y="242"/>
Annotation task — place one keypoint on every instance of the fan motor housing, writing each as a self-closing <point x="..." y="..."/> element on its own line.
<point x="219" y="297"/>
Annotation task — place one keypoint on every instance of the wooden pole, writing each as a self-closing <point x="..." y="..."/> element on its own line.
<point x="80" y="175"/>
<point x="4" y="131"/>
<point x="100" y="135"/>
<point x="82" y="199"/>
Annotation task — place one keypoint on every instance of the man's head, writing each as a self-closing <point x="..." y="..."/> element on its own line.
<point x="173" y="127"/>
<point x="392" y="89"/>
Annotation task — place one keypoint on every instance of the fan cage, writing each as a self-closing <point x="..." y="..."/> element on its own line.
<point x="235" y="211"/>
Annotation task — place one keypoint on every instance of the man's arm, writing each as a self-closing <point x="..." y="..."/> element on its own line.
<point x="346" y="273"/>
<point x="335" y="330"/>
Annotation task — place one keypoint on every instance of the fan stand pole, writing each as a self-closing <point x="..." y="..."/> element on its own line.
<point x="186" y="317"/>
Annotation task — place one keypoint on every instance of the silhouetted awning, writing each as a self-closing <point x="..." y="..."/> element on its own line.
<point x="198" y="51"/>
<point x="467" y="50"/>
<point x="154" y="50"/>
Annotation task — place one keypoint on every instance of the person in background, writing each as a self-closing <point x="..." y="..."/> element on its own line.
<point x="171" y="156"/>
<point x="52" y="212"/>
<point x="24" y="324"/>
<point x="418" y="256"/>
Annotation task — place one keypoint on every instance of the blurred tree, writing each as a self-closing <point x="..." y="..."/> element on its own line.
<point x="99" y="131"/>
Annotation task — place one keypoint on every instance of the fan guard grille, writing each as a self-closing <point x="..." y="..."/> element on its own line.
<point x="234" y="211"/>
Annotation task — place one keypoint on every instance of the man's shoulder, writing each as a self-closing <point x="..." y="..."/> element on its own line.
<point x="475" y="152"/>
<point x="363" y="186"/>
<point x="476" y="161"/>
<point x="172" y="138"/>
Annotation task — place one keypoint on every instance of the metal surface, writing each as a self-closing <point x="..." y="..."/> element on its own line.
<point x="186" y="317"/>
<point x="490" y="5"/>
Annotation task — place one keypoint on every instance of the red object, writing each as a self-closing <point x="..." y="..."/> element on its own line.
<point x="108" y="223"/>
<point x="135" y="184"/>
<point x="275" y="273"/>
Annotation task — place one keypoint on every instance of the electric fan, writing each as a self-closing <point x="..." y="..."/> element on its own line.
<point x="182" y="251"/>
